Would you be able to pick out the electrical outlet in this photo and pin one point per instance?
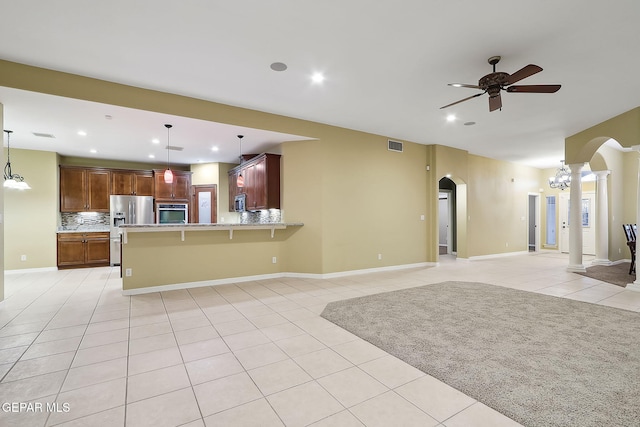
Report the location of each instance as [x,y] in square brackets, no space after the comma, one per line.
[379,256]
[274,260]
[128,272]
[506,244]
[421,217]
[23,257]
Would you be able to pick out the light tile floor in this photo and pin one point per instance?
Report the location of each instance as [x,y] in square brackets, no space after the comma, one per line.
[255,353]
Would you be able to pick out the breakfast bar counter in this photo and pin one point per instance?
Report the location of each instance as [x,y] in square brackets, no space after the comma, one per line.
[163,257]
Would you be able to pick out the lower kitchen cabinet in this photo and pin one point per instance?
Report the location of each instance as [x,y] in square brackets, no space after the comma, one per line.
[90,249]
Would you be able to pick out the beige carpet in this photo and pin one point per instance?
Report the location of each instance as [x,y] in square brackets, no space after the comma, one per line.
[540,360]
[617,274]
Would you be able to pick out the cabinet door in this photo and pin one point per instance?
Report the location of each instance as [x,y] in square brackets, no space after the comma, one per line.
[143,184]
[260,184]
[70,252]
[122,182]
[250,186]
[163,191]
[98,190]
[181,186]
[96,251]
[73,190]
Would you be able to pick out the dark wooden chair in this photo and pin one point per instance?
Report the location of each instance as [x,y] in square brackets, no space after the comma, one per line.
[630,233]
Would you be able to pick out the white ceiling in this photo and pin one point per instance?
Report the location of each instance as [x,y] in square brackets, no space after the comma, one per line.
[387,64]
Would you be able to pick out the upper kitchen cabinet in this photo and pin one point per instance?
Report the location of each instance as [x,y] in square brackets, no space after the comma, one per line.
[180,189]
[84,189]
[261,182]
[132,183]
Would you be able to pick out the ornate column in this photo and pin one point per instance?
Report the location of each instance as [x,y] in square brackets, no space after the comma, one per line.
[602,219]
[635,286]
[575,219]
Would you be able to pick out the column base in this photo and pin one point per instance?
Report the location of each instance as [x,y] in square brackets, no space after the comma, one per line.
[579,268]
[601,262]
[635,286]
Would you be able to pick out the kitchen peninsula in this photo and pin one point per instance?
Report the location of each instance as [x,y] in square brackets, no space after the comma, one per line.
[160,257]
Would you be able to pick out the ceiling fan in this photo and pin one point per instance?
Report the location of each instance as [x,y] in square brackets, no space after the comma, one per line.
[496,81]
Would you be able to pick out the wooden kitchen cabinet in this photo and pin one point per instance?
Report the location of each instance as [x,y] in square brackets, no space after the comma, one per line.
[90,249]
[261,182]
[131,182]
[180,189]
[84,189]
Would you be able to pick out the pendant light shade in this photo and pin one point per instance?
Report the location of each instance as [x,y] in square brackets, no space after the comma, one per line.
[168,174]
[240,180]
[12,180]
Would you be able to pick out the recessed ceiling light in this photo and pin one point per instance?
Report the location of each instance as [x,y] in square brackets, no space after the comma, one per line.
[469,123]
[451,118]
[214,149]
[151,156]
[155,141]
[317,78]
[82,133]
[278,66]
[93,151]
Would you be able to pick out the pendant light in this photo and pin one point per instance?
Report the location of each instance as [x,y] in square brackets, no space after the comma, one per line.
[240,180]
[12,180]
[168,175]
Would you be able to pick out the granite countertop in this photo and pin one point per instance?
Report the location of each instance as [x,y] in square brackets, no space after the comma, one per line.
[213,226]
[83,230]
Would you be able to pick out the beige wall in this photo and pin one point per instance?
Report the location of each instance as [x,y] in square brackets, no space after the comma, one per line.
[2,222]
[31,215]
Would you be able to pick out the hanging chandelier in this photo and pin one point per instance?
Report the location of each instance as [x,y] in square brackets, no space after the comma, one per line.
[562,179]
[12,180]
[168,174]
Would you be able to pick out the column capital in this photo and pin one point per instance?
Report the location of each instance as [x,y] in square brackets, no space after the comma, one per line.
[601,174]
[635,147]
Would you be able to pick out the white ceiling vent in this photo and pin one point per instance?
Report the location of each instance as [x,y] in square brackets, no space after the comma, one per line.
[394,146]
[44,135]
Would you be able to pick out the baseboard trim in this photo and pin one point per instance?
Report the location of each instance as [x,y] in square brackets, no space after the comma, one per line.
[31,270]
[200,284]
[633,287]
[491,256]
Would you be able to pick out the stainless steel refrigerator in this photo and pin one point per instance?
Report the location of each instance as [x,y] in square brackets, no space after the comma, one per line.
[127,210]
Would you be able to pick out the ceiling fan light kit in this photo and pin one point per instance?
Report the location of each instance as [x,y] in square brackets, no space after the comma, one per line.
[497,81]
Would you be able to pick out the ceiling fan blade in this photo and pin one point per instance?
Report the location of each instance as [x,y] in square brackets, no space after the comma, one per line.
[534,88]
[465,85]
[495,103]
[522,73]
[462,100]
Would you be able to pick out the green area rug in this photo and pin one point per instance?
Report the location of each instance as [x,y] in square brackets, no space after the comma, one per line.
[538,359]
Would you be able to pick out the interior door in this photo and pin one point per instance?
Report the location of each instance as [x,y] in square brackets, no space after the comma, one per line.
[205,201]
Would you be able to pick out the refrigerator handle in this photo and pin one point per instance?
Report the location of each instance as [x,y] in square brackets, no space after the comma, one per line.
[132,213]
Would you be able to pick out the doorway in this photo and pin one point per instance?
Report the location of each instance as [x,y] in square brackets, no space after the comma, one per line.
[444,222]
[532,223]
[204,202]
[447,225]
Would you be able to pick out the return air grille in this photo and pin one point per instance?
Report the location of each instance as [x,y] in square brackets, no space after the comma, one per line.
[394,146]
[43,135]
[174,148]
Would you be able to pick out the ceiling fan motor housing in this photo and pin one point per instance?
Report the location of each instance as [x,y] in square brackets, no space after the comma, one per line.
[492,83]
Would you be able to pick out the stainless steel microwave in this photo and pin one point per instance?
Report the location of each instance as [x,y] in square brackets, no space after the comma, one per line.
[240,204]
[172,213]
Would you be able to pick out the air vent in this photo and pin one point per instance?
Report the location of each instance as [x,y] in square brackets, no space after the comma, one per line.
[43,135]
[395,146]
[174,148]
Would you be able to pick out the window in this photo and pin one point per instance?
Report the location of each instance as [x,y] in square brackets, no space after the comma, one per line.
[551,221]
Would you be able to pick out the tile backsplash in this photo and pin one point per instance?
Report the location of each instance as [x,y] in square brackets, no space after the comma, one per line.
[261,217]
[84,220]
